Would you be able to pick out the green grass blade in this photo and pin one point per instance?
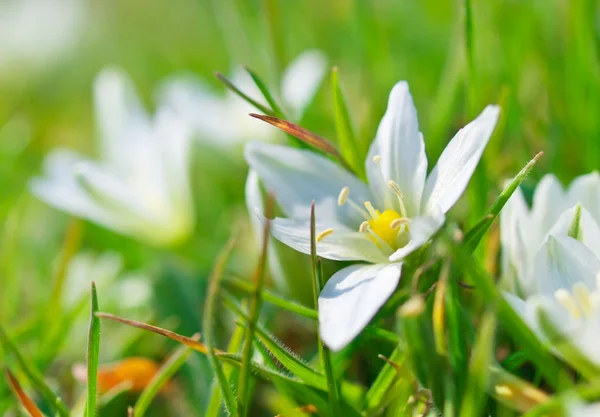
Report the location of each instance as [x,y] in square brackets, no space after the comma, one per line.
[209,319]
[166,371]
[343,125]
[243,95]
[385,380]
[317,284]
[474,236]
[265,92]
[481,359]
[93,352]
[36,379]
[27,403]
[255,303]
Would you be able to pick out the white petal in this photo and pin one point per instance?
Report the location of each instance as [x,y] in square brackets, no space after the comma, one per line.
[588,226]
[402,151]
[351,298]
[456,165]
[254,204]
[421,230]
[200,108]
[514,210]
[302,79]
[343,244]
[577,408]
[118,110]
[562,262]
[548,203]
[585,189]
[297,177]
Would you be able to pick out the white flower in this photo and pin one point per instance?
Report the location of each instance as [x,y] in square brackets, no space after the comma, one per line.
[141,186]
[567,291]
[33,32]
[223,119]
[576,408]
[524,230]
[380,223]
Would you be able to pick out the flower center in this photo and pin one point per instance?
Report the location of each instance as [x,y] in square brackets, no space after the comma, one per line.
[580,302]
[386,226]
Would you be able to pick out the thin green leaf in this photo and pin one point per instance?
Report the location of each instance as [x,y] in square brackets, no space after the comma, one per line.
[306,136]
[343,125]
[166,371]
[243,96]
[265,92]
[317,284]
[36,379]
[387,377]
[93,352]
[254,310]
[474,236]
[481,359]
[210,313]
[575,226]
[514,392]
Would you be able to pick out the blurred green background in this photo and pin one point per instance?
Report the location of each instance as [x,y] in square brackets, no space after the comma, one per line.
[537,58]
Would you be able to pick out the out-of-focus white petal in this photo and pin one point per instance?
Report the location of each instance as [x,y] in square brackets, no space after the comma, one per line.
[577,408]
[514,211]
[585,189]
[351,298]
[400,146]
[302,79]
[343,244]
[458,161]
[548,203]
[562,262]
[255,204]
[297,177]
[588,228]
[421,230]
[119,112]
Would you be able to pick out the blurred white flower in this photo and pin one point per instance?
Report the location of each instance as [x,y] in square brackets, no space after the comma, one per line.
[35,32]
[524,230]
[577,408]
[141,186]
[412,207]
[223,119]
[567,284]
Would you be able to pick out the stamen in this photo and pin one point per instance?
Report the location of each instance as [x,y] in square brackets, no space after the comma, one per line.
[395,224]
[363,227]
[343,196]
[324,234]
[565,299]
[581,294]
[371,210]
[396,188]
[382,244]
[503,390]
[377,159]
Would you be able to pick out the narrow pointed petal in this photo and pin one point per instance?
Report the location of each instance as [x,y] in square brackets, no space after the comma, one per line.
[255,204]
[351,298]
[456,165]
[297,177]
[343,244]
[548,203]
[563,262]
[301,80]
[118,110]
[514,210]
[421,230]
[402,150]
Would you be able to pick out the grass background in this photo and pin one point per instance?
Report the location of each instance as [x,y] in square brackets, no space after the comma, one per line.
[538,59]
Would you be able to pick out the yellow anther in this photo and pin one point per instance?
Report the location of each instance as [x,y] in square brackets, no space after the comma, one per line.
[372,212]
[566,300]
[413,307]
[363,226]
[377,159]
[324,234]
[396,188]
[395,224]
[343,196]
[503,390]
[581,294]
